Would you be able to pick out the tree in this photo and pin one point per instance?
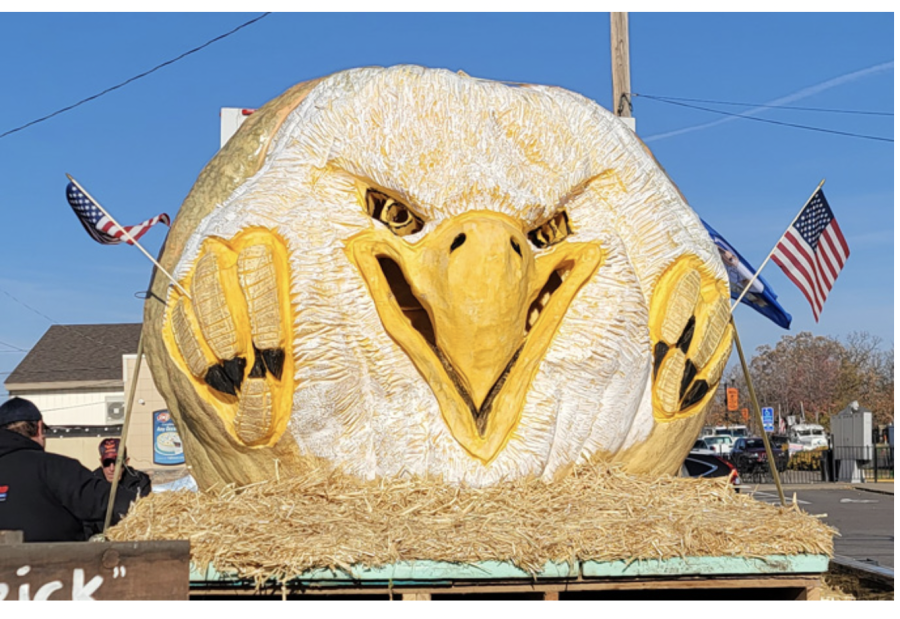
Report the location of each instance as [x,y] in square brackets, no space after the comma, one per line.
[816,376]
[868,376]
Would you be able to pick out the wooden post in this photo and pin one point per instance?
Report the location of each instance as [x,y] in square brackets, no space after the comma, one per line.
[772,466]
[120,457]
[621,69]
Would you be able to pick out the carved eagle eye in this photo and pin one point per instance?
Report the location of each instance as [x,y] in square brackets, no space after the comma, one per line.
[551,231]
[398,217]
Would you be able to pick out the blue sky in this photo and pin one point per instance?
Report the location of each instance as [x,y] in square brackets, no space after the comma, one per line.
[140,148]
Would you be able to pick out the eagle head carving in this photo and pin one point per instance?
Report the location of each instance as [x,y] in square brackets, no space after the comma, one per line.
[412,271]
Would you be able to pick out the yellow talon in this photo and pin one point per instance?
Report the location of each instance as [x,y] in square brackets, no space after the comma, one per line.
[256,272]
[668,382]
[681,307]
[187,341]
[231,338]
[212,308]
[253,421]
[690,338]
[715,327]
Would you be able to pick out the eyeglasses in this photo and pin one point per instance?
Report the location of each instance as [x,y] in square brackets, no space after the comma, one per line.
[109,462]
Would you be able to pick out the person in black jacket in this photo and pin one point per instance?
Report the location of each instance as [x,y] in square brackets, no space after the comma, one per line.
[133,481]
[47,496]
[130,478]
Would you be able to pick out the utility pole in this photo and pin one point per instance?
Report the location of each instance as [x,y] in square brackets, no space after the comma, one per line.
[621,69]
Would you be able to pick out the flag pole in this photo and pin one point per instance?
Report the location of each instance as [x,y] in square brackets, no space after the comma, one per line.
[120,457]
[129,237]
[773,467]
[759,270]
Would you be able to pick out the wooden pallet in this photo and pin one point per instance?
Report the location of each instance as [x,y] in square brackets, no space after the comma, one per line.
[775,577]
[160,570]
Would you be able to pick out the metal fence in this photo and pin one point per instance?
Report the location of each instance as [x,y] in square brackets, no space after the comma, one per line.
[864,464]
[840,464]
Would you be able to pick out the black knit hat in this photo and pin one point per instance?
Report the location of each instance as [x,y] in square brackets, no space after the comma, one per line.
[18,409]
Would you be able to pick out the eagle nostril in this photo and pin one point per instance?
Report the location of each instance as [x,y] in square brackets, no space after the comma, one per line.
[516,247]
[459,240]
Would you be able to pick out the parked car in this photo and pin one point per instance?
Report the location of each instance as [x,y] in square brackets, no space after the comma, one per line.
[708,465]
[720,444]
[700,447]
[734,432]
[749,456]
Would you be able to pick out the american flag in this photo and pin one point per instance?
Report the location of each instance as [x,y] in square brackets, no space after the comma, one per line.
[99,226]
[813,251]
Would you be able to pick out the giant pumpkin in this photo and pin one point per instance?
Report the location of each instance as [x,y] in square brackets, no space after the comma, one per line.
[409,271]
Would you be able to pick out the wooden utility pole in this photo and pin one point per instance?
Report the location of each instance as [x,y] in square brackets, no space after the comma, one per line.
[621,69]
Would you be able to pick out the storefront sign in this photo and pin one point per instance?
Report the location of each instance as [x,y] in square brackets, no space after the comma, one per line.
[167,446]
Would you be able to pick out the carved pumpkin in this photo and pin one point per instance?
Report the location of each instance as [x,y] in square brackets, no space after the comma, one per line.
[411,271]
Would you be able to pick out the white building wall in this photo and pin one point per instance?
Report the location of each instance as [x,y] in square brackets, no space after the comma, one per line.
[73,407]
[231,119]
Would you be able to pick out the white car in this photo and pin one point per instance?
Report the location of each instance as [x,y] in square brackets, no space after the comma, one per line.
[700,447]
[719,444]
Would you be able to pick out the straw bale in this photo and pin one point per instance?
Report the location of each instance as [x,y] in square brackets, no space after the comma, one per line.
[279,529]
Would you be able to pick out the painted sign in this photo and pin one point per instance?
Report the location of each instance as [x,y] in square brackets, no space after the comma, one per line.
[732,394]
[768,417]
[167,446]
[95,571]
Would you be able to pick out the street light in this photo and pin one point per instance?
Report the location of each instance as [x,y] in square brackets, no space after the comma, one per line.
[728,412]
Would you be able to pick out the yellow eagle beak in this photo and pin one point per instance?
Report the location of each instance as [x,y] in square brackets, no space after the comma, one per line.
[475,309]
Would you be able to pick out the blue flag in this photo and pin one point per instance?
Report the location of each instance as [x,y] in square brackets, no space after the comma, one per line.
[760,297]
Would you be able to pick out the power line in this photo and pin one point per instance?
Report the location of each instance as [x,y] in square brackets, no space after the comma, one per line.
[136,77]
[17,349]
[42,315]
[766,120]
[780,107]
[45,316]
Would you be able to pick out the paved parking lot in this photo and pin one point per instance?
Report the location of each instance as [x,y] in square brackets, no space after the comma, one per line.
[863,514]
